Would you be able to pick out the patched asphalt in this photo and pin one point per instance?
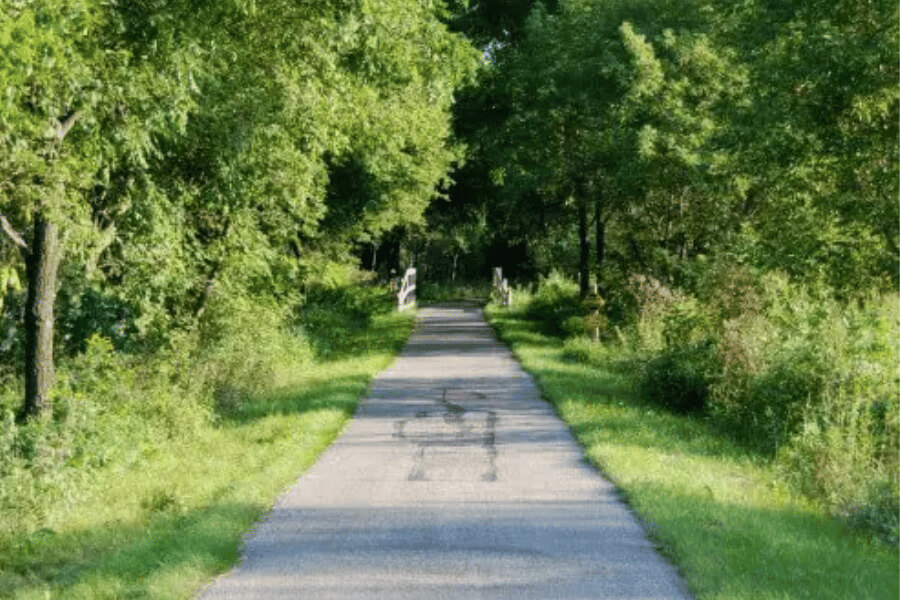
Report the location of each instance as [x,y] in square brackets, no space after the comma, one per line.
[454,480]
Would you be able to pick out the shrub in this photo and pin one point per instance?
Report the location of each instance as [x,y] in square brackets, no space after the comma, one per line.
[573,327]
[684,322]
[328,315]
[878,510]
[731,290]
[814,382]
[108,409]
[653,301]
[436,291]
[679,380]
[789,370]
[555,300]
[233,324]
[93,312]
[112,408]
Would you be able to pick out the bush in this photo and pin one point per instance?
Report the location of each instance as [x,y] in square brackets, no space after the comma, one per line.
[329,314]
[878,511]
[573,327]
[555,300]
[93,312]
[789,370]
[684,322]
[814,382]
[112,408]
[652,301]
[679,380]
[231,325]
[108,409]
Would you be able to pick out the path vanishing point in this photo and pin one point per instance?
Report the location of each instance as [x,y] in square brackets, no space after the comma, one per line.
[454,480]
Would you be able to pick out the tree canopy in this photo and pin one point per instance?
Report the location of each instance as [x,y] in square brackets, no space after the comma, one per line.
[182,151]
[760,131]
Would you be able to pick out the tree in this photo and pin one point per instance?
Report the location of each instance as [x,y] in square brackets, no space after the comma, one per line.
[76,99]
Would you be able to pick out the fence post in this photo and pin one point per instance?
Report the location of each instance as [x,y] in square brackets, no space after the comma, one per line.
[594,319]
[500,287]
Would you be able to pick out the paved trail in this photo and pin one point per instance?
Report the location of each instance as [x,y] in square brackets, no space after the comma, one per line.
[454,480]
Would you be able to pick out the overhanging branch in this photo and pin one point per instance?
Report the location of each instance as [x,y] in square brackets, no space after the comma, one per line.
[65,124]
[13,234]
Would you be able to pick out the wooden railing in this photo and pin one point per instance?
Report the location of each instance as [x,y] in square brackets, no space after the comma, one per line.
[406,295]
[501,290]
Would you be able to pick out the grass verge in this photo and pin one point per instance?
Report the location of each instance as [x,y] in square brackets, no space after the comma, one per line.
[719,513]
[162,528]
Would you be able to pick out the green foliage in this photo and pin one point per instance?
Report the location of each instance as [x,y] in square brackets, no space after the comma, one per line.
[584,350]
[762,133]
[801,378]
[428,292]
[334,317]
[680,379]
[554,301]
[201,159]
[228,328]
[110,411]
[166,511]
[698,492]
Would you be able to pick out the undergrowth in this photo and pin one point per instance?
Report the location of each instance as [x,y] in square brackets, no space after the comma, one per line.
[806,381]
[725,514]
[150,467]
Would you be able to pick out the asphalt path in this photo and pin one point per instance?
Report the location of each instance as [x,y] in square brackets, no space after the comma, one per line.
[454,480]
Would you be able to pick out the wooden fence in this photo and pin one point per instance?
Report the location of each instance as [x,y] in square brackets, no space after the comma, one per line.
[406,294]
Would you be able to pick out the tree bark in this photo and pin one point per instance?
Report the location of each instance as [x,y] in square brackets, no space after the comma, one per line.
[599,239]
[584,249]
[42,262]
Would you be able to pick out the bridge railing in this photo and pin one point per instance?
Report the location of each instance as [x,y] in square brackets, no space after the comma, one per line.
[406,294]
[501,290]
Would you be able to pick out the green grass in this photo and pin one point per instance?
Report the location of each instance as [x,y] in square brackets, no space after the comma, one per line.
[718,512]
[164,527]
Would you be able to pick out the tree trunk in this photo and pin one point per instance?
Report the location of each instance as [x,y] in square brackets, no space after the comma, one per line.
[453,271]
[584,256]
[41,265]
[600,239]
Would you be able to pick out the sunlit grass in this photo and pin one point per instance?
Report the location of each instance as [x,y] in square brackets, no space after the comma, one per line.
[162,528]
[717,511]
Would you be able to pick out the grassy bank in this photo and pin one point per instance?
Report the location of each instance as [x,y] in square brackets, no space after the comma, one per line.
[161,526]
[718,511]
